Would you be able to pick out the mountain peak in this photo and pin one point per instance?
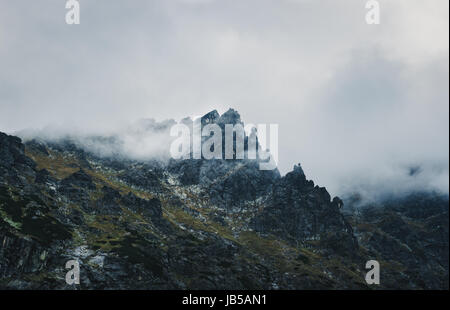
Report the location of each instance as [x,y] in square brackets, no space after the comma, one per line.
[210,117]
[230,117]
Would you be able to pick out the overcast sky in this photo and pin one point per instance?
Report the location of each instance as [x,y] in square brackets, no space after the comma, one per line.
[355,103]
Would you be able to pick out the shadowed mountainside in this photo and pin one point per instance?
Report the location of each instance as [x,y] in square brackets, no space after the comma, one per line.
[201,224]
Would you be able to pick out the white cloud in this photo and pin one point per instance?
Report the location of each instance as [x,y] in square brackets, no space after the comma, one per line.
[350,98]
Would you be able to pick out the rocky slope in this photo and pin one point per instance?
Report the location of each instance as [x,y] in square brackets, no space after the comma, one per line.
[201,224]
[409,234]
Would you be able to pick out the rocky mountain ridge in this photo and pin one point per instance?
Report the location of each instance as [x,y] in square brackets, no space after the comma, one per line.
[200,224]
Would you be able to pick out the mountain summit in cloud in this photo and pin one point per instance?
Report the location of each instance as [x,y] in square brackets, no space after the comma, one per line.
[147,223]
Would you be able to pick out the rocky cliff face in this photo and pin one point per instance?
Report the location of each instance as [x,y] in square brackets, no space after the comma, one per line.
[299,211]
[200,224]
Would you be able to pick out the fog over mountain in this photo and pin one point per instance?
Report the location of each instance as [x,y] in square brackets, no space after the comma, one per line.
[363,108]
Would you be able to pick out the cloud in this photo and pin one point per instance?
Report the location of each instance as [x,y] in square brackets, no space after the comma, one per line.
[350,99]
[374,124]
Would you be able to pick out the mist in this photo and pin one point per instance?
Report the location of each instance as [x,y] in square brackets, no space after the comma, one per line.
[363,108]
[142,140]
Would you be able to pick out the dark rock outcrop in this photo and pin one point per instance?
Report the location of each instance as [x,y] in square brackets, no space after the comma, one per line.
[299,211]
